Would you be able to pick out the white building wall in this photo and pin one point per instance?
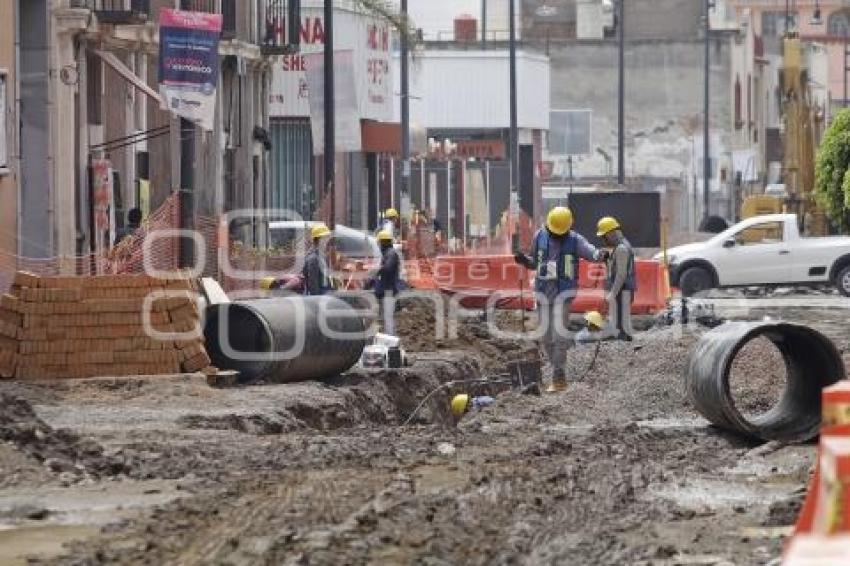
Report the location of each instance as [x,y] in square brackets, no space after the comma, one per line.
[470,90]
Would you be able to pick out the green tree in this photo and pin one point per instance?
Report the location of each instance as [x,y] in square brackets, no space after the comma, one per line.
[832,171]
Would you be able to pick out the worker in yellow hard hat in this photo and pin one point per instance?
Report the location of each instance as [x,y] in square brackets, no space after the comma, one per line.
[594,324]
[555,253]
[316,270]
[621,280]
[463,403]
[389,222]
[269,283]
[386,279]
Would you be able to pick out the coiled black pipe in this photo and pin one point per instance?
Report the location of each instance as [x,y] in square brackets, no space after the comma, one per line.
[250,337]
[812,362]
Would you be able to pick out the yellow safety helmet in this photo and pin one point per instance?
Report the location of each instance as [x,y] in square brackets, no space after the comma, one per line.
[391,213]
[606,225]
[594,320]
[560,220]
[384,236]
[268,283]
[460,404]
[319,231]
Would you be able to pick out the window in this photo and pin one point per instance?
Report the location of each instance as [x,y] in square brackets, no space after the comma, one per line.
[4,132]
[764,233]
[773,23]
[838,23]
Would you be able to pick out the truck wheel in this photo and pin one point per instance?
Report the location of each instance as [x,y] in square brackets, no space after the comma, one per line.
[695,280]
[842,281]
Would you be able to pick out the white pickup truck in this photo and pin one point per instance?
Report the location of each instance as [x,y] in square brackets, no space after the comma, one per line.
[761,251]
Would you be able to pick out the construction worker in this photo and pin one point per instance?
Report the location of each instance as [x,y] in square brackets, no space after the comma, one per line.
[316,271]
[275,284]
[594,325]
[620,283]
[134,222]
[389,222]
[555,254]
[463,403]
[386,279]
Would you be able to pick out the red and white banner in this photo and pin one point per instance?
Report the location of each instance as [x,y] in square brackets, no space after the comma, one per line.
[369,41]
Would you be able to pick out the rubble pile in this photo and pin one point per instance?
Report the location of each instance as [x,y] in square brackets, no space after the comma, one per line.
[75,327]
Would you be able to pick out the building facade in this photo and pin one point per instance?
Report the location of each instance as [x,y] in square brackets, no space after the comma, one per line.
[88,101]
[366,136]
[460,97]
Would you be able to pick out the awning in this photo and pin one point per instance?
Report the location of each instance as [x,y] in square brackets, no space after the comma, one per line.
[122,69]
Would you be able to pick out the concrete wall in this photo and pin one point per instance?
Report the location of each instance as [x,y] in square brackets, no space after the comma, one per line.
[664,100]
[645,19]
[9,181]
[664,113]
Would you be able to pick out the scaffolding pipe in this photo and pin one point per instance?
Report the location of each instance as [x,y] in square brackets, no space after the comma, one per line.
[812,362]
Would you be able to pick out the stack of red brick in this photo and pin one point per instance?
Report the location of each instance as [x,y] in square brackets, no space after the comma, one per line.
[73,327]
[822,532]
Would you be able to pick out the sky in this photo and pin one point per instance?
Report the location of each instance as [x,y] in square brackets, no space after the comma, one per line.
[434,16]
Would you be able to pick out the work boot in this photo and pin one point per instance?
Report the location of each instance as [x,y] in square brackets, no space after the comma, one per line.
[558,384]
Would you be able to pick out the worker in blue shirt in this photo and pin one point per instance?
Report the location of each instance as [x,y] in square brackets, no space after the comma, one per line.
[555,254]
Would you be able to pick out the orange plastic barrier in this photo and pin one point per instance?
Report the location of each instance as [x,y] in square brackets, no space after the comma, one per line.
[835,401]
[498,279]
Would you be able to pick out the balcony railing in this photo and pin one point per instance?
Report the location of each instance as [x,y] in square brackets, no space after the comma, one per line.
[117,11]
[280,26]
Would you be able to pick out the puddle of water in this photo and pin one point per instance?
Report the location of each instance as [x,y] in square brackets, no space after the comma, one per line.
[76,513]
[42,541]
[703,493]
[435,478]
[673,424]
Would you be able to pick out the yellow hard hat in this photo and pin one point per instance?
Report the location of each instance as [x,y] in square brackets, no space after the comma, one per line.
[319,231]
[384,236]
[606,225]
[268,283]
[560,220]
[594,320]
[391,213]
[460,403]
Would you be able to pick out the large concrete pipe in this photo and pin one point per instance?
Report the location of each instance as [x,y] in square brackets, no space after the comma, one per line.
[811,362]
[284,340]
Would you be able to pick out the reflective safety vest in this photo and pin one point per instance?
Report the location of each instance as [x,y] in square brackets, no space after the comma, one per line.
[566,264]
[630,283]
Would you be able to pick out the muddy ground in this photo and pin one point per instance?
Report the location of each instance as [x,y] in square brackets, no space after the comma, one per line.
[617,470]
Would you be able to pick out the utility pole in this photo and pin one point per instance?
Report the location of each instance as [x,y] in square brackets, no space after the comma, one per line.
[330,113]
[405,106]
[187,191]
[845,35]
[187,183]
[513,145]
[706,157]
[484,24]
[621,95]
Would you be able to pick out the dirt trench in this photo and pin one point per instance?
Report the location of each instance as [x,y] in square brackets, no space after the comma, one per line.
[617,470]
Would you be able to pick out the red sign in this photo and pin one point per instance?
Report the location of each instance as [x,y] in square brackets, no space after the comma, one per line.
[478,149]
